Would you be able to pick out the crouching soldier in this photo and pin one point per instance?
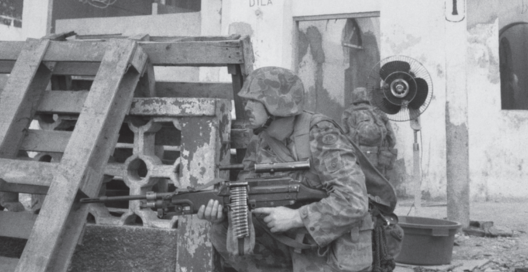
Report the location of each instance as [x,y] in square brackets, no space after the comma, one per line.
[335,231]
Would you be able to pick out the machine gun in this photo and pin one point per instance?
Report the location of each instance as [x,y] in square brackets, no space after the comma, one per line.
[237,197]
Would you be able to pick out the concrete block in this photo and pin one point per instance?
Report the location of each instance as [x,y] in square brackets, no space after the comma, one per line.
[125,248]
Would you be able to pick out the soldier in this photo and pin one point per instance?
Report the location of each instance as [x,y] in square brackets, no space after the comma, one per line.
[337,228]
[370,129]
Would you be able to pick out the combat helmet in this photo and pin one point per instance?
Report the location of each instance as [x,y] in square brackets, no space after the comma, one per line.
[279,89]
[360,95]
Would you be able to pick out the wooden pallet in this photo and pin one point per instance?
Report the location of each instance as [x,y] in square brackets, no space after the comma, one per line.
[117,66]
[192,107]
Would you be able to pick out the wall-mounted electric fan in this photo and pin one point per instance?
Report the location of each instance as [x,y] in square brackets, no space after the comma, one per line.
[402,88]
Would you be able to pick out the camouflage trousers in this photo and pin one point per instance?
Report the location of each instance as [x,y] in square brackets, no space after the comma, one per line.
[268,254]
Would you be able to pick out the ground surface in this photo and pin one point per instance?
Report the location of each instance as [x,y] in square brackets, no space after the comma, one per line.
[496,254]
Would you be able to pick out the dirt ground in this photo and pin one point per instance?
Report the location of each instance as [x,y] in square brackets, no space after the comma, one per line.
[500,253]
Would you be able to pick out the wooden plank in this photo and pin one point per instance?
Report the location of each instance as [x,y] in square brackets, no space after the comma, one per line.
[61,219]
[70,102]
[187,53]
[45,140]
[23,188]
[61,68]
[195,89]
[170,106]
[8,264]
[21,94]
[25,176]
[194,53]
[249,58]
[63,102]
[16,224]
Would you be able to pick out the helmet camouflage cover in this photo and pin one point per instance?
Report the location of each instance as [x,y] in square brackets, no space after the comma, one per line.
[279,89]
[360,95]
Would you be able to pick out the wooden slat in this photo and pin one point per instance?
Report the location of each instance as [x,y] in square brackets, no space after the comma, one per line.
[61,219]
[45,141]
[194,89]
[8,264]
[194,53]
[27,172]
[16,224]
[20,95]
[170,106]
[61,68]
[70,102]
[27,176]
[23,188]
[187,53]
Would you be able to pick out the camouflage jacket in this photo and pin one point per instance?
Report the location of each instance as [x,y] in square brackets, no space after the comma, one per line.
[333,168]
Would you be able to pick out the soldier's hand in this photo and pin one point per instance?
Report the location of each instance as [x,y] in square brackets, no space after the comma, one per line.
[280,219]
[213,212]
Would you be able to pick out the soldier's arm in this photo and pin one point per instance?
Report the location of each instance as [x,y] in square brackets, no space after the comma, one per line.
[334,160]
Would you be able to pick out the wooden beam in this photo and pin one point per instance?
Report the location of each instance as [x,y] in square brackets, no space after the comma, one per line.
[195,89]
[45,140]
[169,106]
[70,102]
[27,172]
[61,219]
[186,53]
[16,224]
[66,101]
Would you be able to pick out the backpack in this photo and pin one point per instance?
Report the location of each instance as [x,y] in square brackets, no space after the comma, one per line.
[387,235]
[371,130]
[374,137]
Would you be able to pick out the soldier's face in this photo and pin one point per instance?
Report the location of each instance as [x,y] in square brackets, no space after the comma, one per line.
[256,113]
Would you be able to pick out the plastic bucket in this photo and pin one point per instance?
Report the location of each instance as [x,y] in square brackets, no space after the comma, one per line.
[427,241]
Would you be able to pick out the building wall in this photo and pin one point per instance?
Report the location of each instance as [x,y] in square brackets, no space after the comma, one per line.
[497,137]
[417,29]
[401,34]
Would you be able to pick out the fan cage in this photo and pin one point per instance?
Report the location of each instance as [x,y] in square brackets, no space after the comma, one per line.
[417,70]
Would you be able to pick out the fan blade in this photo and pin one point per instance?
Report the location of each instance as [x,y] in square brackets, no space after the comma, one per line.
[379,101]
[413,88]
[421,94]
[394,66]
[388,108]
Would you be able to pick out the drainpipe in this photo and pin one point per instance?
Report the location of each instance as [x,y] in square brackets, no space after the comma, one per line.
[457,141]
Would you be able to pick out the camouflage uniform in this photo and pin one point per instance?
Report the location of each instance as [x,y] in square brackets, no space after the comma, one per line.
[371,130]
[338,224]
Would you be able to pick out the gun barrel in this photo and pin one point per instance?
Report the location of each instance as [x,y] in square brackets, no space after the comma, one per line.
[282,166]
[231,167]
[103,199]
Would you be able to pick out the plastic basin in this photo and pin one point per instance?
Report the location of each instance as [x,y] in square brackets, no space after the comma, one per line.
[427,241]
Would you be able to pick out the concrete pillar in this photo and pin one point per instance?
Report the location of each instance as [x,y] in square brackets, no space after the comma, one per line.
[457,142]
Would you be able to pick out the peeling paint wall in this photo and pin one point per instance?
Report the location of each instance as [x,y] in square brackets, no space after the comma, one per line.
[419,33]
[498,145]
[329,70]
[269,25]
